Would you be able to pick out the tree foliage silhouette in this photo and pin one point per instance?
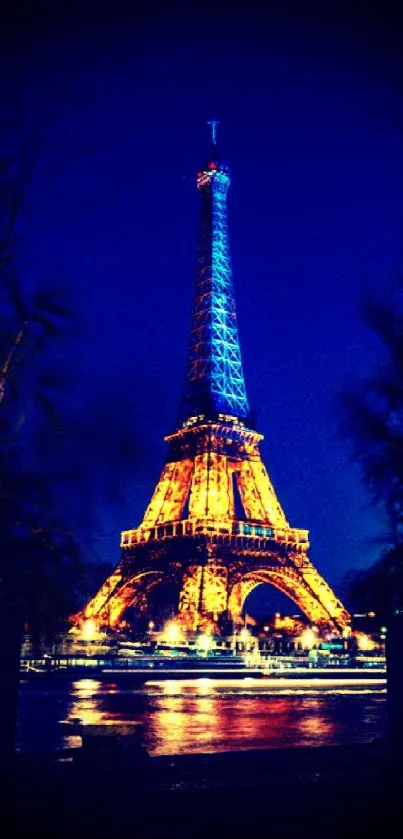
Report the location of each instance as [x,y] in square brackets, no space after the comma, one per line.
[373,421]
[60,443]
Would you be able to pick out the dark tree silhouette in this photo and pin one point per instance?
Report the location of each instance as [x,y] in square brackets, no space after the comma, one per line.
[372,413]
[60,445]
[33,534]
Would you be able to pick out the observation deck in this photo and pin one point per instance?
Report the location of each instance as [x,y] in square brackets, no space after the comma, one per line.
[236,530]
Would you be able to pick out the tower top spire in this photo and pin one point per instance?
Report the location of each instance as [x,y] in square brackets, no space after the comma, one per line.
[214,381]
[213,123]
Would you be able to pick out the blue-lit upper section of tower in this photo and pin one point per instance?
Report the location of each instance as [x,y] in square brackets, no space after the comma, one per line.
[214,382]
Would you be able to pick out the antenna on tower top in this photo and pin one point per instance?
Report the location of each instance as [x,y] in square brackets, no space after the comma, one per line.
[213,123]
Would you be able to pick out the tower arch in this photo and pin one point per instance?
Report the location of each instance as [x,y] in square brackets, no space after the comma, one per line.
[108,607]
[286,580]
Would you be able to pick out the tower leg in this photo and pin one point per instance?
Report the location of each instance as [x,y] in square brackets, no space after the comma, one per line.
[214,594]
[203,599]
[190,597]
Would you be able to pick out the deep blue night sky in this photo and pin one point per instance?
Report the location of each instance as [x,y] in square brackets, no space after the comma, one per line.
[309,122]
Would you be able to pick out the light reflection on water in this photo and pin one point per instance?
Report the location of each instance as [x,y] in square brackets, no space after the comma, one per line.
[203,715]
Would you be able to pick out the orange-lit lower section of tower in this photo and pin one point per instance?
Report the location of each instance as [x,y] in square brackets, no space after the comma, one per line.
[214,527]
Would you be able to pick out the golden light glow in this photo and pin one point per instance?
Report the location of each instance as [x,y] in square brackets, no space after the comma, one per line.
[286,623]
[204,642]
[89,630]
[208,461]
[364,642]
[172,633]
[308,639]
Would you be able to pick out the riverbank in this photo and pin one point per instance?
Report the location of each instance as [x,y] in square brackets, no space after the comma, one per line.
[329,791]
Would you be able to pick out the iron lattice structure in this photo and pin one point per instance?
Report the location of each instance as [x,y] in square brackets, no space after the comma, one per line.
[214,382]
[214,527]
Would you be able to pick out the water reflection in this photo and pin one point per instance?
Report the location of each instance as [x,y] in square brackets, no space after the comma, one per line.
[206,716]
[86,686]
[85,705]
[170,687]
[203,715]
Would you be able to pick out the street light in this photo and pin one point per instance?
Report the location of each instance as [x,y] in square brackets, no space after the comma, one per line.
[172,633]
[204,642]
[89,630]
[364,642]
[245,637]
[308,638]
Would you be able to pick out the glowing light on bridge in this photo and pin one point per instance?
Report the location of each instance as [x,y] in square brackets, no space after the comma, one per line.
[205,643]
[364,642]
[172,633]
[308,639]
[90,630]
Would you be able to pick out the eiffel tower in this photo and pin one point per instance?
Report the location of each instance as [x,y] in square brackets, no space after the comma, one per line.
[214,528]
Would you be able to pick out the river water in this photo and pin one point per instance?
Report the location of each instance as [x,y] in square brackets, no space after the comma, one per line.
[202,715]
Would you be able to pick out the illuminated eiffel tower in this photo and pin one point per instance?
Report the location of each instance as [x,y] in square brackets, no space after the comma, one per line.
[214,527]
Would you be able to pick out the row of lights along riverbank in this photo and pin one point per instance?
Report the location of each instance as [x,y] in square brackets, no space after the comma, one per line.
[282,635]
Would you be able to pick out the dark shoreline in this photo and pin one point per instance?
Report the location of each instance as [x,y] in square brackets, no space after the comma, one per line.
[307,791]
